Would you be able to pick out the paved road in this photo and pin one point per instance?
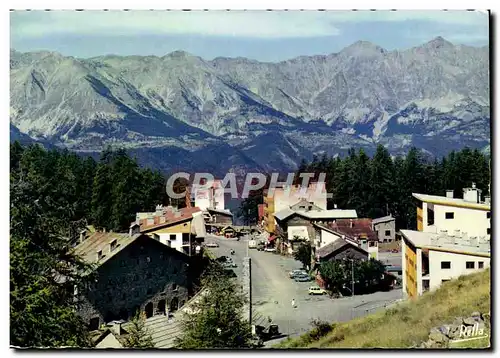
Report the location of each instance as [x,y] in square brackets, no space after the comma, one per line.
[273,291]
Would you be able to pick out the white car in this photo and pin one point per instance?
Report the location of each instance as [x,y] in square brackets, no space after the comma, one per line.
[270,249]
[212,244]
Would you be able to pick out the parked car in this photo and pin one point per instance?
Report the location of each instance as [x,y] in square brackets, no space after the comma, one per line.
[270,249]
[302,278]
[294,273]
[316,290]
[260,248]
[212,244]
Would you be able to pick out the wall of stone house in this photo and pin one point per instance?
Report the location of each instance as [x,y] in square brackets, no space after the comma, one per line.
[143,272]
[382,227]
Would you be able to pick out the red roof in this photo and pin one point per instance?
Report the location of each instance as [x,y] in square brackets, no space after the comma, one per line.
[354,228]
[171,217]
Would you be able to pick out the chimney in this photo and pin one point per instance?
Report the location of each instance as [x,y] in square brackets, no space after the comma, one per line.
[162,219]
[449,194]
[113,244]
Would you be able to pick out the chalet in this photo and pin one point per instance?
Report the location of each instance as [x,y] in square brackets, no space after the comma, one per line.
[341,249]
[133,273]
[356,231]
[294,225]
[217,216]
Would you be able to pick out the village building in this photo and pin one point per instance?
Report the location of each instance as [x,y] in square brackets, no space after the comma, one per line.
[217,216]
[355,231]
[208,198]
[286,196]
[429,259]
[385,227]
[470,215]
[134,272]
[295,224]
[182,229]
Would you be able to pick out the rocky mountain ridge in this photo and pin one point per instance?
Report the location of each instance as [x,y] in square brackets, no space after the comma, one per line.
[180,110]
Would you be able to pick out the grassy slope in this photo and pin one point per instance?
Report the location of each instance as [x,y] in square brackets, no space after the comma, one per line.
[408,323]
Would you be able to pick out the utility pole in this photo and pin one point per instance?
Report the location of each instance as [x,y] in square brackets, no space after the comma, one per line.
[352,279]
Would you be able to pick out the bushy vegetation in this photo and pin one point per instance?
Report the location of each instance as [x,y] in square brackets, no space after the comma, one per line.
[217,320]
[53,195]
[368,276]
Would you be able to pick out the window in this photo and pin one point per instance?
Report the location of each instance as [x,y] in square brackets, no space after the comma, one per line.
[469,265]
[173,237]
[430,217]
[488,231]
[480,264]
[372,244]
[445,264]
[94,324]
[387,232]
[113,245]
[488,215]
[449,215]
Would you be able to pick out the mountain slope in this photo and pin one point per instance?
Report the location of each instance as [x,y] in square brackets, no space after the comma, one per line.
[435,96]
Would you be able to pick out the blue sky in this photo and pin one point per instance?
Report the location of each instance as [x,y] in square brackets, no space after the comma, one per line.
[260,35]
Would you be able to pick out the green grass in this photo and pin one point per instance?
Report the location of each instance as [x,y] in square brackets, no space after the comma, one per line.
[408,323]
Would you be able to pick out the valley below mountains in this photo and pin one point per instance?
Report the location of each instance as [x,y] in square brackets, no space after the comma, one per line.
[181,112]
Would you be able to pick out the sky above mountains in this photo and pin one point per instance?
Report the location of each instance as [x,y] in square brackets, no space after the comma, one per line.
[261,35]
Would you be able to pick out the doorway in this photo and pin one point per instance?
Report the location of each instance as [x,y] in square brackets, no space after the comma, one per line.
[162,306]
[149,310]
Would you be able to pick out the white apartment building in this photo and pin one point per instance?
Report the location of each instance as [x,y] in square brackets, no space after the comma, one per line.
[211,198]
[429,259]
[469,215]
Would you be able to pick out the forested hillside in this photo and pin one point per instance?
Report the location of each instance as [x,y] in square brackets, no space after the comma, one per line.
[383,185]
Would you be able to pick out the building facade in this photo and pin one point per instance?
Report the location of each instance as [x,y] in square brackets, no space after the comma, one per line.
[181,229]
[385,228]
[133,273]
[289,195]
[209,198]
[445,213]
[429,259]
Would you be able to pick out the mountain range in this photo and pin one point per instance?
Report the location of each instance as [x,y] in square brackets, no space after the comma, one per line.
[181,112]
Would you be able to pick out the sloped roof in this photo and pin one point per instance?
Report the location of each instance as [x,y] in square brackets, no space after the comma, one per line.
[316,214]
[361,228]
[336,246]
[98,241]
[383,219]
[218,211]
[171,218]
[443,200]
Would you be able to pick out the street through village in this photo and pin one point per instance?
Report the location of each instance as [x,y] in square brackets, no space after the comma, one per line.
[273,291]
